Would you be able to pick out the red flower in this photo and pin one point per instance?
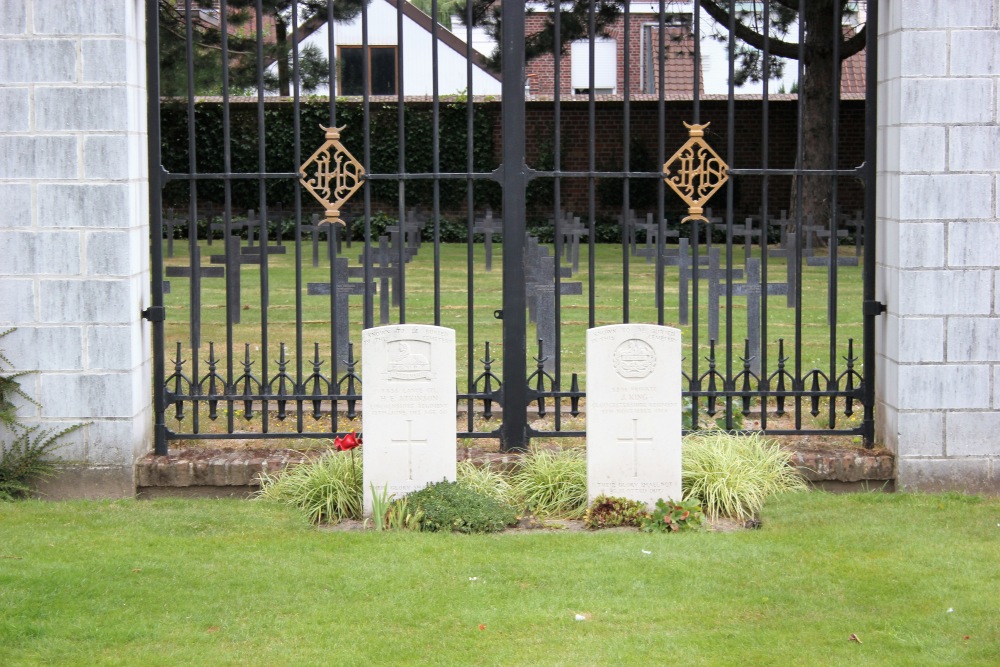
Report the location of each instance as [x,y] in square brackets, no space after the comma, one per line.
[347,443]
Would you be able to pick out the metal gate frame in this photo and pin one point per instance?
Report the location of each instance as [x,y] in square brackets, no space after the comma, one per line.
[516,392]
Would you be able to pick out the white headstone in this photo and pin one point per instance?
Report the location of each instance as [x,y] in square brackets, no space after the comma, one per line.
[408,408]
[634,412]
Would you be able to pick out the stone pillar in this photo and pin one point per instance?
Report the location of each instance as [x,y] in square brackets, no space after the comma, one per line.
[74,252]
[938,369]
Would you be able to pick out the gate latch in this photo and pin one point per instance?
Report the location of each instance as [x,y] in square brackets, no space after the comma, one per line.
[498,313]
[873,308]
[154,314]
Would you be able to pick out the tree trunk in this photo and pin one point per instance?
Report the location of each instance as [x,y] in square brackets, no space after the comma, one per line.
[819,94]
[281,49]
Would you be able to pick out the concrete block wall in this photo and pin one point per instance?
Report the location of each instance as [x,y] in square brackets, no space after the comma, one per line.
[74,268]
[938,371]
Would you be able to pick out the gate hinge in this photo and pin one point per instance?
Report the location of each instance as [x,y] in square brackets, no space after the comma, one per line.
[155,314]
[873,308]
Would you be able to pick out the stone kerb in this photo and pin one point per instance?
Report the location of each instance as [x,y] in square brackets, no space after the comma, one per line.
[409,411]
[634,412]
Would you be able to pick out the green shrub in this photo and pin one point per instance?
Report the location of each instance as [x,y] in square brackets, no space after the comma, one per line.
[451,506]
[733,475]
[673,517]
[327,489]
[486,481]
[612,512]
[552,483]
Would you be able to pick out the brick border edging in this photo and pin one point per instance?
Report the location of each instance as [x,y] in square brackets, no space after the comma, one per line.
[223,468]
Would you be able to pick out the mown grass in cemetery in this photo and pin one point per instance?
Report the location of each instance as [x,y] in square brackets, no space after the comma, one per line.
[231,582]
[453,277]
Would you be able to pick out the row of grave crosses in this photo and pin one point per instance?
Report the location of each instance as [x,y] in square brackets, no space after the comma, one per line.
[401,243]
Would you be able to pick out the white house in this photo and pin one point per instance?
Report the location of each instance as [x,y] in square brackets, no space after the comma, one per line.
[384,40]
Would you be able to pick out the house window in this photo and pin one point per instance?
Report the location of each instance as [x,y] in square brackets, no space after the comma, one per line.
[381,76]
[605,66]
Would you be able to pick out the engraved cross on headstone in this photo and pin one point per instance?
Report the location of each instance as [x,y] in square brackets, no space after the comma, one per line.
[409,441]
[635,441]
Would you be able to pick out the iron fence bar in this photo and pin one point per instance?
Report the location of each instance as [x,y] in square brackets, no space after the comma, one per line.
[470,217]
[832,227]
[799,160]
[227,166]
[626,157]
[367,148]
[153,147]
[514,433]
[696,114]
[765,189]
[557,183]
[194,255]
[661,157]
[591,165]
[868,263]
[853,172]
[435,137]
[262,194]
[730,194]
[401,156]
[297,157]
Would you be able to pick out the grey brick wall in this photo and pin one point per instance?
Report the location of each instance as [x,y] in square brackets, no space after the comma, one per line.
[74,228]
[938,371]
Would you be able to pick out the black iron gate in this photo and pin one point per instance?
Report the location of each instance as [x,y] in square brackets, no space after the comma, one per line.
[256,340]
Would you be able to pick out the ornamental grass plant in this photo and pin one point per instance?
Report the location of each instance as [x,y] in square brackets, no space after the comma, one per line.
[485,480]
[327,489]
[733,474]
[552,483]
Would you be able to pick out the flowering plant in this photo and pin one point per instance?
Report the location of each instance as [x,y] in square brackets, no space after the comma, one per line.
[347,443]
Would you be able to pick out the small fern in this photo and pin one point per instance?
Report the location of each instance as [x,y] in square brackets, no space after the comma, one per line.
[28,456]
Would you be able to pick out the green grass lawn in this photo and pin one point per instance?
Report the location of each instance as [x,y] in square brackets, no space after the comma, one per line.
[235,583]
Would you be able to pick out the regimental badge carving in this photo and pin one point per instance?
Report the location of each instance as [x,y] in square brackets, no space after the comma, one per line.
[634,359]
[695,172]
[332,175]
[409,360]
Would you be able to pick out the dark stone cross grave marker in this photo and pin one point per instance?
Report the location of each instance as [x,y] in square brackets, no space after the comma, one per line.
[314,229]
[653,238]
[783,224]
[409,233]
[170,224]
[754,289]
[857,223]
[832,247]
[683,261]
[572,230]
[488,226]
[748,233]
[716,277]
[249,223]
[380,265]
[341,304]
[187,272]
[534,275]
[543,293]
[627,224]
